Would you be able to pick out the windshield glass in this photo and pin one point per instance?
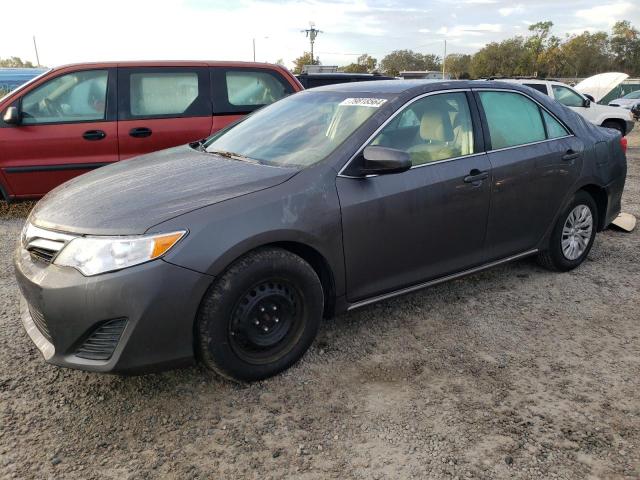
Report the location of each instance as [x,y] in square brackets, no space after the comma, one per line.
[299,130]
[633,95]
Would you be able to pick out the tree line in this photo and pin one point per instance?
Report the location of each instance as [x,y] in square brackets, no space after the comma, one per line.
[539,54]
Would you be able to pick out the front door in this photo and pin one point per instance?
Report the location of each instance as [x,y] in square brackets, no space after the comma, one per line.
[430,221]
[67,128]
[162,107]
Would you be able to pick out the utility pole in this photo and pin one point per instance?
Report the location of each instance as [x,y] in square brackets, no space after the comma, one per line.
[312,33]
[254,49]
[36,48]
[444,59]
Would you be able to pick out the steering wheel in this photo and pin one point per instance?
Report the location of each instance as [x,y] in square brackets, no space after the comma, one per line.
[53,108]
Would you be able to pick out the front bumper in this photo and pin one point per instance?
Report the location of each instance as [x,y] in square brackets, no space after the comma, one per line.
[155,304]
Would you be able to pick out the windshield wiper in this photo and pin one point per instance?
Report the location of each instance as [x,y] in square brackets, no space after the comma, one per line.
[233,156]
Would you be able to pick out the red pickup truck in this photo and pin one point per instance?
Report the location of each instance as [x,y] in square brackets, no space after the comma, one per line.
[79,117]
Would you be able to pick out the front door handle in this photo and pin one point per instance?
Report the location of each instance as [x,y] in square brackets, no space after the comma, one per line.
[93,135]
[476,176]
[570,155]
[140,132]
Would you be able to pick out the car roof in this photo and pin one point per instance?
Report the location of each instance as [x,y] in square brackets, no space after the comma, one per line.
[413,86]
[168,63]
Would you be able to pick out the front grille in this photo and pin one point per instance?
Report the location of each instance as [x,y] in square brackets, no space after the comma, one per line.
[41,254]
[103,341]
[43,245]
[41,324]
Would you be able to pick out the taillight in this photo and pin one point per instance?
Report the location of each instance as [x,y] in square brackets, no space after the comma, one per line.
[623,144]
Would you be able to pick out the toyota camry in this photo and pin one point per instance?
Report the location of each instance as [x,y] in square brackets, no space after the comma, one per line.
[231,250]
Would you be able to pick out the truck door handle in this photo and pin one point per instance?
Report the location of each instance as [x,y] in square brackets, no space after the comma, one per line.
[570,155]
[93,135]
[475,176]
[140,132]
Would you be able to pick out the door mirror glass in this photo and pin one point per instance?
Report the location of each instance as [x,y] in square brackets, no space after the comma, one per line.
[383,160]
[586,102]
[11,116]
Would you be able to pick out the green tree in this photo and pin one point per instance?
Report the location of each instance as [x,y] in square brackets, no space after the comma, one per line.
[15,62]
[408,60]
[537,43]
[625,48]
[586,54]
[507,58]
[458,65]
[365,64]
[303,60]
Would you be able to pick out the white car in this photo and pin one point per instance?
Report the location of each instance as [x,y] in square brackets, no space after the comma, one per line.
[603,115]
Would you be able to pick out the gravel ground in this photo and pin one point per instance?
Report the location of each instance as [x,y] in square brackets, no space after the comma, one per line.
[515,372]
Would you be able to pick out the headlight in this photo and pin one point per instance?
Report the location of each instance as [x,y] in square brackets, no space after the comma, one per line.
[95,255]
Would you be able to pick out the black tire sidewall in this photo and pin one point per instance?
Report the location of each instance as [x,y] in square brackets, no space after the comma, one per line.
[219,303]
[561,262]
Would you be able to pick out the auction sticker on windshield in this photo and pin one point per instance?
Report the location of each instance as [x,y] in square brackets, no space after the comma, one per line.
[363,102]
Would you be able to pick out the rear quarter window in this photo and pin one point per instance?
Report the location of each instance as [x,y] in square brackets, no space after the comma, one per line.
[243,90]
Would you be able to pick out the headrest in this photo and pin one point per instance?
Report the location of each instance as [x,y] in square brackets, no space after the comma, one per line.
[435,125]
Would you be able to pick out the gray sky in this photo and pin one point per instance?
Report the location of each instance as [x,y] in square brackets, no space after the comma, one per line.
[77,31]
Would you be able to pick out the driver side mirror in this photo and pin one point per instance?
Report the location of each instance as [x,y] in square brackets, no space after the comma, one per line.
[587,101]
[11,116]
[383,160]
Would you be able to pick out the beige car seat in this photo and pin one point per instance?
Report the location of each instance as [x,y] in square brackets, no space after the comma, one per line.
[437,135]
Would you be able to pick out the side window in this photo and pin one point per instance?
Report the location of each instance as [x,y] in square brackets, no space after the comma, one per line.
[541,87]
[513,119]
[554,128]
[434,128]
[165,93]
[75,97]
[566,96]
[243,90]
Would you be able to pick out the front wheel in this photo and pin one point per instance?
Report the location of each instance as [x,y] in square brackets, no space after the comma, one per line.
[572,236]
[260,316]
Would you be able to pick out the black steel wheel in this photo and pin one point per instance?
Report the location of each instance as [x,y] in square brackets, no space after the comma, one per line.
[260,316]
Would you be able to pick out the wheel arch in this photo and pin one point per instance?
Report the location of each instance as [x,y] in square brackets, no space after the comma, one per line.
[617,121]
[599,195]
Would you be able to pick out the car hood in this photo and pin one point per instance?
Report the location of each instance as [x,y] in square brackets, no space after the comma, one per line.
[624,101]
[131,196]
[599,86]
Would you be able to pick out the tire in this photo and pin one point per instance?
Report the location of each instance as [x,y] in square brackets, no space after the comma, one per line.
[556,257]
[260,316]
[615,125]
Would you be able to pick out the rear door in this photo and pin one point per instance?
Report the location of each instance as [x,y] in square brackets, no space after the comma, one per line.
[68,126]
[535,160]
[430,221]
[161,107]
[238,91]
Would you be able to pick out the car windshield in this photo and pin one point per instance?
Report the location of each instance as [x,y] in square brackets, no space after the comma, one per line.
[299,130]
[633,95]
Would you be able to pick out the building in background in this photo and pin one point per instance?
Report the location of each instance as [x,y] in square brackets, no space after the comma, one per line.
[426,74]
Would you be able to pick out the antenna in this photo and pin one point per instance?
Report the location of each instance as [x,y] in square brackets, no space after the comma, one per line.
[35,46]
[312,33]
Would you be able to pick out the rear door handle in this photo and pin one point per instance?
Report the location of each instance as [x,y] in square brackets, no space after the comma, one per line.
[570,155]
[476,176]
[140,132]
[93,135]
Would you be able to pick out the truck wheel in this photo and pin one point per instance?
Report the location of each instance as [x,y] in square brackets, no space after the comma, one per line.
[260,316]
[572,236]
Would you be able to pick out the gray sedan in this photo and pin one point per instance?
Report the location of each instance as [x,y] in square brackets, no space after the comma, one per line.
[232,250]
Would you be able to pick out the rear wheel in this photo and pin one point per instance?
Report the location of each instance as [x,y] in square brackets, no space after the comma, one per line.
[572,236]
[615,125]
[260,316]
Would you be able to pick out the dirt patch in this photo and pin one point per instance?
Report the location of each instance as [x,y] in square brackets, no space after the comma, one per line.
[513,372]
